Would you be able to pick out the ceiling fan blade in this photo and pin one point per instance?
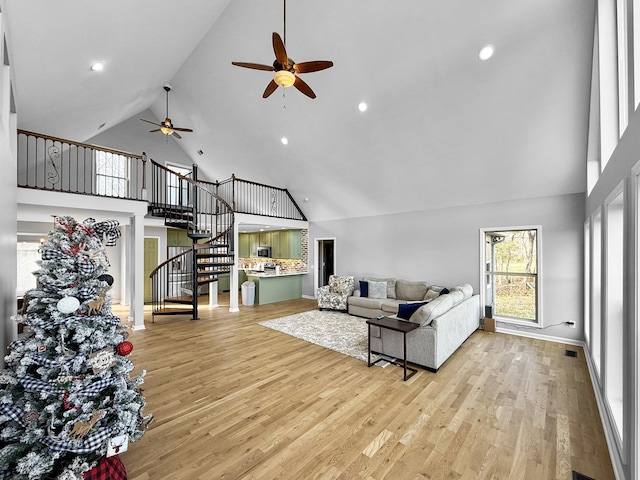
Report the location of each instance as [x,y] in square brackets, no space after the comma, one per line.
[279,50]
[315,66]
[175,134]
[304,88]
[152,123]
[255,66]
[272,87]
[154,131]
[183,129]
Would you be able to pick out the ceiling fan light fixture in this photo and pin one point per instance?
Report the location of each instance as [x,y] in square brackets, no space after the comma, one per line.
[166,130]
[284,78]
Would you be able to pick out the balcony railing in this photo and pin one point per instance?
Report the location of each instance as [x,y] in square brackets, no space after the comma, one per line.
[258,199]
[51,163]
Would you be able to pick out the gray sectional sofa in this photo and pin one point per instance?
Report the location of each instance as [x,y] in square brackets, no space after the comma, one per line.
[446,321]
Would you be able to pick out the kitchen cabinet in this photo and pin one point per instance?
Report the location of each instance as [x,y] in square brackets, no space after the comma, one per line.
[224,282]
[265,239]
[245,246]
[178,238]
[285,244]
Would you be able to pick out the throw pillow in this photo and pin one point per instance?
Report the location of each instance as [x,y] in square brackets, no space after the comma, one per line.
[391,285]
[377,289]
[431,294]
[444,291]
[406,290]
[405,310]
[364,288]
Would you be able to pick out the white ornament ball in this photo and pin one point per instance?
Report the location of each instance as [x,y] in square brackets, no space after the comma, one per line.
[68,304]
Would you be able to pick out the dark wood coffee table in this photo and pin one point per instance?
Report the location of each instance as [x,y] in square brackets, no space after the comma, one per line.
[402,326]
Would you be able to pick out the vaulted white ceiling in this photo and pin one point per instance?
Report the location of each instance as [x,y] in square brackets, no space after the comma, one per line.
[442,129]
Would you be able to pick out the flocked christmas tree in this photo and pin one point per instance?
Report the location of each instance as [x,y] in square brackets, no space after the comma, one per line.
[67,402]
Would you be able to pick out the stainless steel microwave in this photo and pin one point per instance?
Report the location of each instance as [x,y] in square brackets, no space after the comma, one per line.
[264,252]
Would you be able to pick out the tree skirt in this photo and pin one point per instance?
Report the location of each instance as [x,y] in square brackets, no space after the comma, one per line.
[108,468]
[336,331]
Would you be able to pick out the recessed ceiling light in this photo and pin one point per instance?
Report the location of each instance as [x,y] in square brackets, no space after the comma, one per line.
[486,52]
[284,140]
[362,107]
[97,67]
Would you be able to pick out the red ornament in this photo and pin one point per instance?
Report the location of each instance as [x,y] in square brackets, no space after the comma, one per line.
[124,348]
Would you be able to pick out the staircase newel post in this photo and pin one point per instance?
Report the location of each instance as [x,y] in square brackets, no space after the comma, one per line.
[194,202]
[144,175]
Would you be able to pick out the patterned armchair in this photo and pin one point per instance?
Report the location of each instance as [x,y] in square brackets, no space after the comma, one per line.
[334,296]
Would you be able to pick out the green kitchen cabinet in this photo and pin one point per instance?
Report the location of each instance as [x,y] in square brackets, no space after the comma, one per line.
[245,245]
[224,283]
[178,238]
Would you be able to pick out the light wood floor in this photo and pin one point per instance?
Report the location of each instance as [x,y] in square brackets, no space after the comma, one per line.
[234,400]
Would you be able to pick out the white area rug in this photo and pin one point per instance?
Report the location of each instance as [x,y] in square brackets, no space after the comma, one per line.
[336,331]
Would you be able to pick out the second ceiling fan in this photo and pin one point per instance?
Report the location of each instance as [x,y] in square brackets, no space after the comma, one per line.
[285,70]
[167,127]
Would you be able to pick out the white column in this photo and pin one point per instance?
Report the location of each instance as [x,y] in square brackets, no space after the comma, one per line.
[125,273]
[136,271]
[233,281]
[213,295]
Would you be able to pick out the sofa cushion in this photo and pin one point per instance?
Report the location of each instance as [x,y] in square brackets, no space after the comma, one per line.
[391,305]
[377,289]
[367,302]
[405,310]
[406,290]
[466,289]
[457,296]
[364,288]
[425,314]
[391,285]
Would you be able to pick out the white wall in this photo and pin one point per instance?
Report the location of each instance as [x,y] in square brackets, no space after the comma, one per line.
[8,238]
[443,247]
[133,136]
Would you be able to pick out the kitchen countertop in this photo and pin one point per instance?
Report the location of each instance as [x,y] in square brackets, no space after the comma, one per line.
[250,273]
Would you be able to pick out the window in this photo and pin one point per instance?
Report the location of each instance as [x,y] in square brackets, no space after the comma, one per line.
[178,188]
[111,174]
[587,281]
[614,301]
[512,287]
[596,292]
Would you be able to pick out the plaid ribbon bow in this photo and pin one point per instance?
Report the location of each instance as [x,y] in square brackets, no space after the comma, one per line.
[13,412]
[108,228]
[90,444]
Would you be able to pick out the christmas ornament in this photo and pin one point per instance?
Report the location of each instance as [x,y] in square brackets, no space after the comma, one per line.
[66,404]
[68,304]
[106,278]
[124,348]
[102,359]
[80,429]
[117,445]
[30,417]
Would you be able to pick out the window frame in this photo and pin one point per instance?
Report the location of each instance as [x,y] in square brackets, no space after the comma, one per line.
[539,320]
[108,156]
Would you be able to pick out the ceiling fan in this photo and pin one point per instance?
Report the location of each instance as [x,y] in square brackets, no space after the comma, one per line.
[167,127]
[285,70]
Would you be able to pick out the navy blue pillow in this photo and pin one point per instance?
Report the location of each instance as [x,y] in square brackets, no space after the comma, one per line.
[364,288]
[405,310]
[444,291]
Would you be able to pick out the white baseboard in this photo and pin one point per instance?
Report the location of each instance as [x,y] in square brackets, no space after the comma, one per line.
[537,336]
[308,297]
